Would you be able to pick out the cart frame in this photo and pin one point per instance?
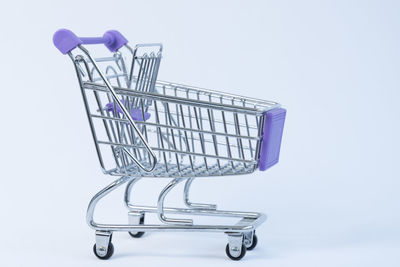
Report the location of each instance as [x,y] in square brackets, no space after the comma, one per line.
[241,236]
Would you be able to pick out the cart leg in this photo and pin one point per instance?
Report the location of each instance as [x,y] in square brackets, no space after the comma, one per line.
[135,215]
[102,193]
[128,191]
[136,218]
[103,248]
[250,240]
[235,249]
[194,205]
[160,205]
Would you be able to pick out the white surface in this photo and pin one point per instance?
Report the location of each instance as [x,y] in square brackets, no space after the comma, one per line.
[333,198]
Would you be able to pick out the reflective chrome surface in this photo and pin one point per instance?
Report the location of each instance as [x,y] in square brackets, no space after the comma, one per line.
[177,131]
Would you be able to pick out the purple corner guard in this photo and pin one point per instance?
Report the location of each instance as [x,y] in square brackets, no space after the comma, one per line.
[272,137]
[66,41]
[136,113]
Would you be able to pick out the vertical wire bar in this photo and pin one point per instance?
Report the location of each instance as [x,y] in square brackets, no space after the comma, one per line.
[161,135]
[260,126]
[237,130]
[186,138]
[228,146]
[144,128]
[166,123]
[145,75]
[146,70]
[138,79]
[214,137]
[178,124]
[248,130]
[203,149]
[141,71]
[201,119]
[130,75]
[123,68]
[155,73]
[117,125]
[240,144]
[150,74]
[173,138]
[190,123]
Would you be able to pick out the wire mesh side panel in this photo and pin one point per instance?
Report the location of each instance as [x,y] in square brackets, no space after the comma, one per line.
[194,133]
[111,136]
[198,141]
[144,67]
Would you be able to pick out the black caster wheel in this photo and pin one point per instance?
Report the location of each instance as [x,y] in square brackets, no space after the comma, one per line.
[138,234]
[254,244]
[242,253]
[110,252]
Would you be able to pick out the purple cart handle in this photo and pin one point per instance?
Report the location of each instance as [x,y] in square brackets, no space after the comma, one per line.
[66,41]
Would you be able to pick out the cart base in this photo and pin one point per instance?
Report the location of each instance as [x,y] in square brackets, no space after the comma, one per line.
[241,236]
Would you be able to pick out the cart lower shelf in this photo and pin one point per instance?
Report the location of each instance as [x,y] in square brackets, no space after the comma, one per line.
[241,235]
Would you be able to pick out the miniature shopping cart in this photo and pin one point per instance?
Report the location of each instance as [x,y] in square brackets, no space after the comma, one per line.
[143,127]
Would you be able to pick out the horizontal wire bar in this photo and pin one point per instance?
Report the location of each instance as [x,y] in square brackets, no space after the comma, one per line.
[104,59]
[177,128]
[200,170]
[213,93]
[177,100]
[109,77]
[215,120]
[177,151]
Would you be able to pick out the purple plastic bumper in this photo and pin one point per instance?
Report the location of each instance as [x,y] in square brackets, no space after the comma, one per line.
[272,137]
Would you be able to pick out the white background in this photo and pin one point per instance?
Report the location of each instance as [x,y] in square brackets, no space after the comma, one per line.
[333,200]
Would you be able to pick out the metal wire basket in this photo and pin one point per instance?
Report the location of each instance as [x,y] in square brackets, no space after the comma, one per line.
[143,127]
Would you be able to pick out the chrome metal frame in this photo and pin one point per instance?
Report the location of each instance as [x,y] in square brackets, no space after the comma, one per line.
[240,233]
[249,221]
[199,133]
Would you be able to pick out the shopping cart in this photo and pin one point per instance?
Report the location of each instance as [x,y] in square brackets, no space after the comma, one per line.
[143,127]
